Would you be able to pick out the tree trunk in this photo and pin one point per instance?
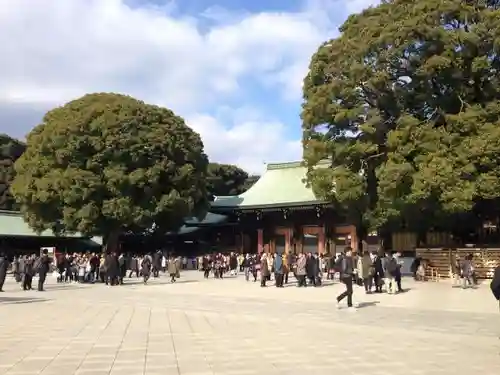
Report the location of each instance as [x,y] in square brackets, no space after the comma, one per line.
[111,242]
[361,235]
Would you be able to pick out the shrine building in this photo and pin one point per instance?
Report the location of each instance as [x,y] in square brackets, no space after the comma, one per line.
[280,213]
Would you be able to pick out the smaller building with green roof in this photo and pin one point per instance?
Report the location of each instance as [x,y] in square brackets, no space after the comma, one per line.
[17,237]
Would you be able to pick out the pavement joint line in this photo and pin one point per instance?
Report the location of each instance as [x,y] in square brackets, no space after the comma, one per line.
[173,342]
[52,360]
[147,342]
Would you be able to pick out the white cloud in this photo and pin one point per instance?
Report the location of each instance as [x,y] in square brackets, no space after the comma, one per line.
[356,6]
[250,141]
[55,50]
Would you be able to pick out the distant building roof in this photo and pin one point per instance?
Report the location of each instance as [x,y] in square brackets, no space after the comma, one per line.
[183,230]
[281,185]
[209,219]
[12,224]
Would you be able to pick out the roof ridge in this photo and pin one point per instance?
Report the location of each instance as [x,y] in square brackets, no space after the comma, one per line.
[293,164]
[11,213]
[290,164]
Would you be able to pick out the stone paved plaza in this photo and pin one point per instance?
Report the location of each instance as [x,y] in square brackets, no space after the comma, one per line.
[229,326]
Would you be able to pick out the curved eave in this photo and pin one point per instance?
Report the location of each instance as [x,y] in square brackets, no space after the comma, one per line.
[209,219]
[274,207]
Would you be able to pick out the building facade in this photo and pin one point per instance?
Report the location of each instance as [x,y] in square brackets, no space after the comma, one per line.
[280,213]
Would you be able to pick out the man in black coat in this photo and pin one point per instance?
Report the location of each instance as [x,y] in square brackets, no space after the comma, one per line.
[495,284]
[346,272]
[157,263]
[28,273]
[43,269]
[378,276]
[112,269]
[4,264]
[311,269]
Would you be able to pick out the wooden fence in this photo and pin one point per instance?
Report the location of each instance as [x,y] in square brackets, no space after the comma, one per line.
[441,260]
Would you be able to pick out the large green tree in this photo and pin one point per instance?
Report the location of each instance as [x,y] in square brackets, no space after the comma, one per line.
[108,163]
[10,150]
[406,104]
[225,179]
[250,181]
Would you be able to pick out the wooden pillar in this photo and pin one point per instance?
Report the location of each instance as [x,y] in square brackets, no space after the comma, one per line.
[260,241]
[288,235]
[321,240]
[354,238]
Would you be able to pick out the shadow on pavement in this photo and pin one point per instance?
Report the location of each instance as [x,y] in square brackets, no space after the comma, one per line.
[323,284]
[367,304]
[20,300]
[163,282]
[64,286]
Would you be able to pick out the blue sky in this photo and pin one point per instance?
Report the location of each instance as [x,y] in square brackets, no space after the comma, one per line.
[232,69]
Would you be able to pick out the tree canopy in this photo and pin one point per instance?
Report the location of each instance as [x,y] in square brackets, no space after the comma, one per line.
[406,104]
[108,163]
[250,181]
[10,150]
[225,179]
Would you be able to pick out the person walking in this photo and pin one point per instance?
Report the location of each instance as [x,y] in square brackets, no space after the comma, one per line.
[134,266]
[28,273]
[247,263]
[264,270]
[4,264]
[346,273]
[43,269]
[146,266]
[278,270]
[173,269]
[390,266]
[398,275]
[495,285]
[300,271]
[365,271]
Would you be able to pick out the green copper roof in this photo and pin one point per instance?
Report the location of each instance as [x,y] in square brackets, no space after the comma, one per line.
[209,219]
[12,224]
[281,185]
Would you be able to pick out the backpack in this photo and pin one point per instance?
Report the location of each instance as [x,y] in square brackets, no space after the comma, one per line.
[338,264]
[37,265]
[392,267]
[146,263]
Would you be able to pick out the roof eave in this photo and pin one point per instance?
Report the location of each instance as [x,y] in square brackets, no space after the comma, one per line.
[272,206]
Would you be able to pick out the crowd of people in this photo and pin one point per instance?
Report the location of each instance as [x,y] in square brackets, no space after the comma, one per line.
[112,268]
[108,268]
[25,268]
[372,271]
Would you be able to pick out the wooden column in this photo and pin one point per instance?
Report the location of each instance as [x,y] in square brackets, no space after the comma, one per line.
[260,241]
[288,240]
[354,238]
[348,231]
[321,240]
